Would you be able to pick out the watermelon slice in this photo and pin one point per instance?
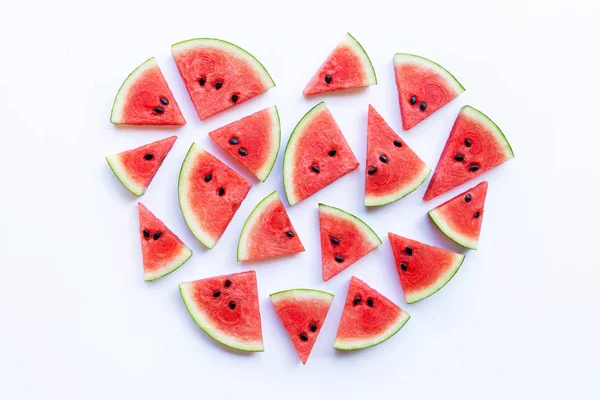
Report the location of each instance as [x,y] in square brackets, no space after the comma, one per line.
[268,232]
[393,169]
[136,168]
[162,251]
[460,218]
[423,269]
[347,67]
[253,141]
[316,155]
[302,312]
[145,99]
[226,308]
[345,239]
[368,319]
[219,74]
[475,145]
[423,88]
[209,194]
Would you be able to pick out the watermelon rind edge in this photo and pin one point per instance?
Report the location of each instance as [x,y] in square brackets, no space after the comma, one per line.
[310,293]
[375,201]
[359,223]
[117,107]
[204,324]
[443,225]
[367,65]
[263,175]
[460,88]
[366,343]
[440,283]
[474,113]
[181,259]
[116,166]
[254,215]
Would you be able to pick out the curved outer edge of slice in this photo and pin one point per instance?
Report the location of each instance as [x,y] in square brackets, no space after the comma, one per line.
[193,153]
[117,108]
[177,262]
[290,153]
[359,223]
[204,323]
[373,201]
[440,283]
[457,237]
[301,293]
[366,63]
[276,137]
[242,254]
[115,164]
[366,343]
[228,47]
[483,119]
[405,58]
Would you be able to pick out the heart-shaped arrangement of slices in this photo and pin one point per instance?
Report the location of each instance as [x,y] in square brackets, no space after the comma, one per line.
[219,75]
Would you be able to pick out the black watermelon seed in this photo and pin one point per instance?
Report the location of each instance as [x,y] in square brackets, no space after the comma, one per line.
[149,156]
[459,158]
[227,283]
[315,169]
[146,234]
[413,100]
[290,234]
[473,167]
[164,101]
[232,304]
[202,81]
[233,141]
[243,152]
[403,266]
[397,143]
[370,302]
[468,197]
[159,110]
[477,214]
[157,235]
[218,85]
[423,106]
[332,152]
[208,178]
[303,337]
[357,300]
[334,240]
[217,293]
[313,327]
[221,191]
[372,170]
[408,250]
[383,159]
[234,98]
[328,79]
[467,143]
[339,259]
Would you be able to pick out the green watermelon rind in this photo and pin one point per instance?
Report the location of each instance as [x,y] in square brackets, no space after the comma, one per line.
[426,62]
[374,201]
[486,121]
[440,283]
[252,218]
[119,103]
[203,322]
[456,236]
[361,225]
[173,265]
[115,164]
[226,46]
[366,64]
[276,137]
[375,340]
[299,293]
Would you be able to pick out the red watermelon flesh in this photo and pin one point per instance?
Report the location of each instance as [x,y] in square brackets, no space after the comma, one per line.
[219,74]
[475,145]
[460,218]
[423,88]
[345,239]
[210,193]
[423,269]
[368,319]
[268,232]
[226,308]
[347,67]
[162,251]
[137,167]
[253,141]
[393,170]
[302,312]
[316,155]
[145,99]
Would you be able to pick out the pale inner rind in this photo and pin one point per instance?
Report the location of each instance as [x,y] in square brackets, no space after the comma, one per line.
[243,247]
[115,163]
[393,328]
[276,140]
[302,294]
[367,66]
[442,280]
[410,59]
[445,227]
[116,115]
[175,263]
[360,224]
[403,191]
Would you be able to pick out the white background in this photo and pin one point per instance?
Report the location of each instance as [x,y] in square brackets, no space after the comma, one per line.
[519,320]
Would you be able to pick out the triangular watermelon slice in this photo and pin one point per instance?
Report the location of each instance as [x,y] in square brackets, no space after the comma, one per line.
[253,141]
[162,251]
[345,239]
[145,99]
[268,232]
[226,308]
[210,193]
[460,218]
[302,312]
[368,319]
[393,170]
[475,145]
[218,74]
[136,168]
[347,67]
[423,269]
[423,87]
[316,155]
